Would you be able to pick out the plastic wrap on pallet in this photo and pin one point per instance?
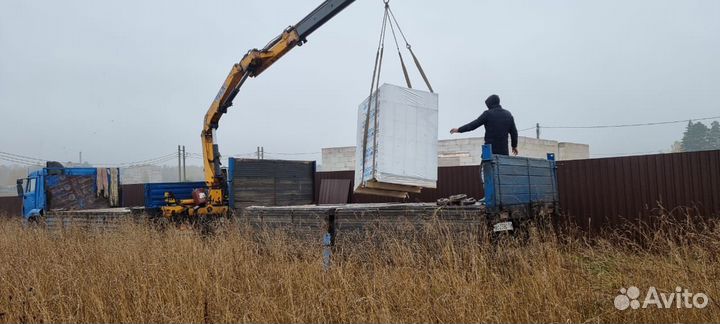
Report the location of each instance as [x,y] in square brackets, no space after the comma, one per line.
[404,150]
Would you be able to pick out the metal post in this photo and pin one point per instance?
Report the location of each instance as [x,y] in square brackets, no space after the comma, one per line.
[179,169]
[537,130]
[183,165]
[329,240]
[80,157]
[327,250]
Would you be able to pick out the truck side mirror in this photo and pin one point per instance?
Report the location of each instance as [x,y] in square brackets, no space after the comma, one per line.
[19,184]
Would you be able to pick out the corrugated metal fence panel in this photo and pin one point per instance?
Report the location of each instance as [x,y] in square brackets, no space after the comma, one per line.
[340,175]
[451,181]
[455,180]
[272,182]
[334,191]
[10,206]
[608,192]
[133,195]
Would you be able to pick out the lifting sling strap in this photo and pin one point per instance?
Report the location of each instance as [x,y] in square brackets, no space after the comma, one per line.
[388,19]
[409,47]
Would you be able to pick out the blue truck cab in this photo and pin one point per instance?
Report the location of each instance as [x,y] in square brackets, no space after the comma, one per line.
[58,187]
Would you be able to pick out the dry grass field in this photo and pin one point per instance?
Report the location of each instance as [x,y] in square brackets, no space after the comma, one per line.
[138,274]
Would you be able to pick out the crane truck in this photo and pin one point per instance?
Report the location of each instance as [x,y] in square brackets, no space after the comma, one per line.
[213,199]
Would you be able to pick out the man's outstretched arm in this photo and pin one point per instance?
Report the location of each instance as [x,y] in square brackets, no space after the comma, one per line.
[471,125]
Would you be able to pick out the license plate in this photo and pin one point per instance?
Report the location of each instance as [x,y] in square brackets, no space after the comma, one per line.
[503,227]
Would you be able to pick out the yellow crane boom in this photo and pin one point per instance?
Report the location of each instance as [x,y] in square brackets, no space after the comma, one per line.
[213,199]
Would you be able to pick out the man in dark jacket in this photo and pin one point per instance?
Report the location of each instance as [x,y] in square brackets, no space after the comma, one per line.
[498,124]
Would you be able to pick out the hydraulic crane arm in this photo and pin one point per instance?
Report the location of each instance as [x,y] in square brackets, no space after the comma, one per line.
[251,65]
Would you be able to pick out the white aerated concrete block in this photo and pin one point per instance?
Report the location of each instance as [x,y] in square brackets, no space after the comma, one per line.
[401,143]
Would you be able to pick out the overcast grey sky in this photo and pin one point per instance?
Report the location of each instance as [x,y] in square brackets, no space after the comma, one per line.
[128,80]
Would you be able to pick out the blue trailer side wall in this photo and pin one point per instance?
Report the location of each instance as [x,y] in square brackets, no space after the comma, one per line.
[512,180]
[155,192]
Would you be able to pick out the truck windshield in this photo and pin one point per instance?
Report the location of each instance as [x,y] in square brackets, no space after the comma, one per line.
[30,185]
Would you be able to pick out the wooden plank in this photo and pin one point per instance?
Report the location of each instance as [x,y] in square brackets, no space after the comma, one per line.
[386,193]
[392,187]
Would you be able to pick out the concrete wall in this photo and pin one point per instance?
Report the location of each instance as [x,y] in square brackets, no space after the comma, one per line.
[573,151]
[465,151]
[536,148]
[338,159]
[460,151]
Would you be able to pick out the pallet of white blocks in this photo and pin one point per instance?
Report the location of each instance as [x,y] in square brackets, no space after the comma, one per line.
[397,142]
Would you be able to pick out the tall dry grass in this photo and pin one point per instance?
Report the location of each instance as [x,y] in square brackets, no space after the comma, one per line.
[137,274]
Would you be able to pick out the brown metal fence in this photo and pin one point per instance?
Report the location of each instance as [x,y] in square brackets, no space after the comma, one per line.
[600,193]
[609,192]
[10,206]
[451,181]
[133,195]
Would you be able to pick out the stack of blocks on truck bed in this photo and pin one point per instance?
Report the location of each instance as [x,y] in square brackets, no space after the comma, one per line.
[397,142]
